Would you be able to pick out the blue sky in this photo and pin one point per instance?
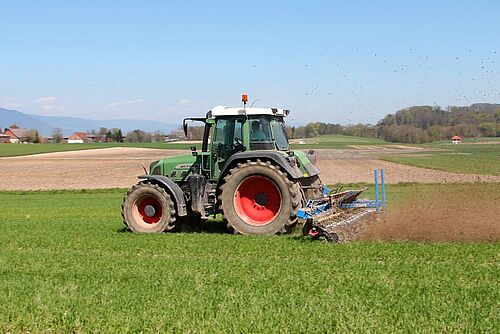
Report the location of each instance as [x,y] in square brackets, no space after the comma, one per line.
[330,61]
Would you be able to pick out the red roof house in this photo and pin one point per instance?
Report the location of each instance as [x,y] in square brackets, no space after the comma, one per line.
[16,135]
[78,138]
[456,139]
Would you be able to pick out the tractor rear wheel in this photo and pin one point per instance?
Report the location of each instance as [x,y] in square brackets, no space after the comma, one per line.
[148,208]
[257,198]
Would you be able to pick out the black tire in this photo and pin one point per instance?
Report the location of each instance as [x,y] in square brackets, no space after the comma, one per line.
[140,219]
[281,189]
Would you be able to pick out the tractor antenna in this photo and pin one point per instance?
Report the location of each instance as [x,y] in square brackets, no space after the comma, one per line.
[144,167]
[257,99]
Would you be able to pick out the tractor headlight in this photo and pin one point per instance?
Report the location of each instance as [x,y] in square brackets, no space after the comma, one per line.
[292,161]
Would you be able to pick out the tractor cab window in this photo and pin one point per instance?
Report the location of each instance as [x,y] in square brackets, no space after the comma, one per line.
[259,130]
[260,134]
[268,133]
[227,137]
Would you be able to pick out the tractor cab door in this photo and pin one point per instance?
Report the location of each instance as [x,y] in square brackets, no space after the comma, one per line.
[227,140]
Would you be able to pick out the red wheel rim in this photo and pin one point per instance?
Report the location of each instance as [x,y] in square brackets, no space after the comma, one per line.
[257,200]
[147,209]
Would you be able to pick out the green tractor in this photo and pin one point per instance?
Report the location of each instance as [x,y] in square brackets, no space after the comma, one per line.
[246,171]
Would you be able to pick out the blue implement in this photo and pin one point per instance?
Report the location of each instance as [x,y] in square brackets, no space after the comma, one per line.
[330,204]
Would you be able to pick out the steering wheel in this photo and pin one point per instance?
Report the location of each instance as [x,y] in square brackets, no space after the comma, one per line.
[238,146]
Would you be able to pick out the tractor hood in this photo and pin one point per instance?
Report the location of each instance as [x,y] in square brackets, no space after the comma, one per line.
[306,163]
[177,167]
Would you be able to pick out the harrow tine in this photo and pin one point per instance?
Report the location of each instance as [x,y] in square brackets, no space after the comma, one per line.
[349,220]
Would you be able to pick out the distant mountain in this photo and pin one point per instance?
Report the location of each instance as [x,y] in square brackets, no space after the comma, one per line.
[126,125]
[45,124]
[9,117]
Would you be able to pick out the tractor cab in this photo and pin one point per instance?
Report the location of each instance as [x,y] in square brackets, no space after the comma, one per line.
[231,130]
[249,129]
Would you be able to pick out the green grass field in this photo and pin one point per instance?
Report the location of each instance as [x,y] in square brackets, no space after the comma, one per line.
[67,265]
[470,159]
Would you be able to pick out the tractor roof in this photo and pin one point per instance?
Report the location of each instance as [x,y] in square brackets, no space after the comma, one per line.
[236,111]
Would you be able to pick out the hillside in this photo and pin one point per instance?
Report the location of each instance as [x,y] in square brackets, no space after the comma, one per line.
[417,124]
[420,124]
[45,124]
[9,117]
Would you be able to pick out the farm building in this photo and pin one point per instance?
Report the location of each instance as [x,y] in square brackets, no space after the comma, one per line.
[78,138]
[16,135]
[4,139]
[456,140]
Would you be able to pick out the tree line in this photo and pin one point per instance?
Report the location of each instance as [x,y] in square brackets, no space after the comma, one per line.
[101,135]
[417,124]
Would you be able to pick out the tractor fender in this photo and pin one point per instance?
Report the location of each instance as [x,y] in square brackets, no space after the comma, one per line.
[276,158]
[172,188]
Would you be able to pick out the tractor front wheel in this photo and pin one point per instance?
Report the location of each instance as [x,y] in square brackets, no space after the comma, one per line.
[148,208]
[257,198]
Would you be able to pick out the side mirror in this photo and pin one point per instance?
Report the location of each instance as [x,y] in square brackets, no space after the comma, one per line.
[185,126]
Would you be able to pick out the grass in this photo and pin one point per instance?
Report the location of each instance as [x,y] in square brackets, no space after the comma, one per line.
[481,159]
[9,150]
[338,141]
[66,265]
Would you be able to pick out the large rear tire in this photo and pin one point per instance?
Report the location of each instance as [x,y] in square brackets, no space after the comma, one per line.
[257,198]
[148,208]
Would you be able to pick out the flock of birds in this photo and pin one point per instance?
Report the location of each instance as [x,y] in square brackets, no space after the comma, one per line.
[464,80]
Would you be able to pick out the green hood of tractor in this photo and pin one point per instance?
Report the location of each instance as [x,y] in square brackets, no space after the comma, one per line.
[305,165]
[177,167]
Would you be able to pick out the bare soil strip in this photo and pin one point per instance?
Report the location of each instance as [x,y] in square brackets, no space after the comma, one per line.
[361,170]
[348,166]
[91,169]
[119,167]
[450,217]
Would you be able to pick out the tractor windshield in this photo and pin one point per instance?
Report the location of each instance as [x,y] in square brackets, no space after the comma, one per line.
[268,133]
[280,137]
